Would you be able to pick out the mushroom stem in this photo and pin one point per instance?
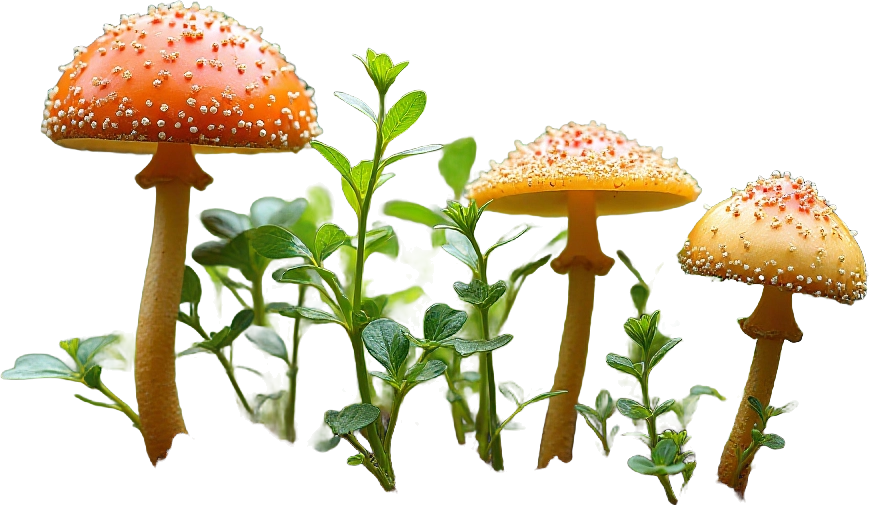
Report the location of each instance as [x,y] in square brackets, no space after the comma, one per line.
[771,323]
[582,260]
[156,393]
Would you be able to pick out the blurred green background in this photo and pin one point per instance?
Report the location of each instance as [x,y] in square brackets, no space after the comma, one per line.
[733,90]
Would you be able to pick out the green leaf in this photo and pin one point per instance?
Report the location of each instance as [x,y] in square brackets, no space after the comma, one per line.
[636,331]
[385,377]
[335,158]
[329,238]
[688,472]
[242,320]
[665,452]
[459,247]
[469,347]
[640,296]
[478,294]
[642,437]
[425,372]
[772,441]
[627,261]
[441,322]
[268,341]
[386,342]
[528,268]
[604,404]
[323,440]
[413,212]
[196,349]
[405,296]
[292,275]
[92,376]
[191,288]
[357,104]
[38,366]
[592,419]
[456,162]
[622,364]
[512,392]
[756,406]
[643,465]
[663,408]
[784,409]
[236,254]
[381,239]
[633,410]
[402,115]
[94,403]
[271,210]
[355,460]
[671,343]
[89,348]
[313,315]
[509,237]
[71,348]
[408,153]
[394,71]
[262,399]
[352,418]
[275,242]
[224,223]
[706,390]
[542,396]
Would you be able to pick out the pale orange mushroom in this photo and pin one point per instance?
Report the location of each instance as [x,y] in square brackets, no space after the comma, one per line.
[582,172]
[778,233]
[172,83]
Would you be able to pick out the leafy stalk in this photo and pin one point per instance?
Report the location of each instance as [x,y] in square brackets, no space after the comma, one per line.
[758,437]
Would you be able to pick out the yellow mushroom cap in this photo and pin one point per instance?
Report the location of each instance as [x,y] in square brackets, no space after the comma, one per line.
[627,177]
[778,232]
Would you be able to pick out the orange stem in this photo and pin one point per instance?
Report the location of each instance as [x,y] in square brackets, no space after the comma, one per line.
[582,260]
[172,170]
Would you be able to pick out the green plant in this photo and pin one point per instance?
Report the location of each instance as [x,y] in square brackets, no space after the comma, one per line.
[596,418]
[86,355]
[758,437]
[462,245]
[667,456]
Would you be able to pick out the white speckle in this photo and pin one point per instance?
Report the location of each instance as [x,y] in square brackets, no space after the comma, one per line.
[193,129]
[262,133]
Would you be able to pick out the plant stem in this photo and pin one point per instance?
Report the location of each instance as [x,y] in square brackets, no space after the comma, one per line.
[292,372]
[123,407]
[259,305]
[385,482]
[653,431]
[390,430]
[231,374]
[603,439]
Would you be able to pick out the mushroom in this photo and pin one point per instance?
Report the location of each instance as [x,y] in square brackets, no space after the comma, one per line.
[171,83]
[581,171]
[777,232]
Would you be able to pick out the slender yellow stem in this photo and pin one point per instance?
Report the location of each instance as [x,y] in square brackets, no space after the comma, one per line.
[172,169]
[582,260]
[771,323]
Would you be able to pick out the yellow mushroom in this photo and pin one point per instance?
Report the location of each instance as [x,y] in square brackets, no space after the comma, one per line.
[582,172]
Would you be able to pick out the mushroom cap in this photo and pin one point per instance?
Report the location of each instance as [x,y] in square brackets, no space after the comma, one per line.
[182,75]
[778,232]
[627,177]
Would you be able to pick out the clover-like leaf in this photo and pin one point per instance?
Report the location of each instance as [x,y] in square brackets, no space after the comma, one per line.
[604,404]
[402,115]
[425,372]
[469,347]
[509,237]
[335,158]
[441,322]
[632,409]
[223,223]
[351,418]
[459,247]
[329,238]
[772,441]
[386,342]
[622,364]
[268,341]
[357,104]
[39,366]
[512,391]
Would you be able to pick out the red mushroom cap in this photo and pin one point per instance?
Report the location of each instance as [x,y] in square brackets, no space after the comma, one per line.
[181,75]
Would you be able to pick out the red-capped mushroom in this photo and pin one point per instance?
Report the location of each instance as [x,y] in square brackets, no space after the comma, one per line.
[172,83]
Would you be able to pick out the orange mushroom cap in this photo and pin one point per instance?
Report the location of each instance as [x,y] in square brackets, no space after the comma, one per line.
[180,75]
[626,176]
[778,232]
